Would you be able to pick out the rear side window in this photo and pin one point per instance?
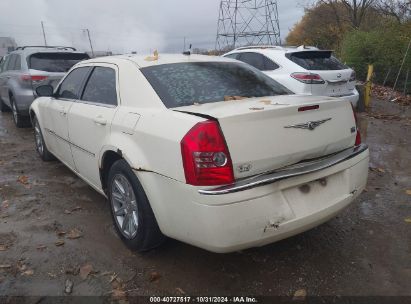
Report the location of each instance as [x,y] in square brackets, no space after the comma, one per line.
[14,63]
[17,63]
[258,61]
[232,56]
[101,86]
[11,62]
[183,84]
[54,62]
[316,60]
[71,85]
[5,63]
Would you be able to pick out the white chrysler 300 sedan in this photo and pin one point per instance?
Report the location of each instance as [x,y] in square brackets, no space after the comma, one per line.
[206,150]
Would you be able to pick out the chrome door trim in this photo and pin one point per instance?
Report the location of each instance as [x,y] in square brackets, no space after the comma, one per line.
[70,143]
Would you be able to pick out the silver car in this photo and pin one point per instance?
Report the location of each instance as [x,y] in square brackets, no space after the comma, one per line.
[28,67]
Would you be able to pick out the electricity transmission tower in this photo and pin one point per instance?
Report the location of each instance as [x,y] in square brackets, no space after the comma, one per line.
[247,22]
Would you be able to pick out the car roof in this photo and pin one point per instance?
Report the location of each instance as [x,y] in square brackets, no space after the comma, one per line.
[27,50]
[276,48]
[146,61]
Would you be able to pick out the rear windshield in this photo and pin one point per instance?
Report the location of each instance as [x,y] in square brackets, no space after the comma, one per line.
[184,84]
[316,61]
[55,62]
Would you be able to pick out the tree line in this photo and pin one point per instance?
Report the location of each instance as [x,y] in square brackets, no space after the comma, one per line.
[361,32]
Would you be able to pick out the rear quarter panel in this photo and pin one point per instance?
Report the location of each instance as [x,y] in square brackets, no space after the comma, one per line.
[154,144]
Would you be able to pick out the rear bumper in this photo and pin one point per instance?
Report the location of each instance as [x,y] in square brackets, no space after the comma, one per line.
[291,171]
[353,98]
[257,216]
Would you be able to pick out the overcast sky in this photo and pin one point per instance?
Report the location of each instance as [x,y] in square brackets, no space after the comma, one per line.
[123,25]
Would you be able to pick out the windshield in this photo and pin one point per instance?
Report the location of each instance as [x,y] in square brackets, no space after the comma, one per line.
[55,62]
[184,84]
[316,60]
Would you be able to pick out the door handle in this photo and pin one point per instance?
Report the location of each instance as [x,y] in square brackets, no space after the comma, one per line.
[100,120]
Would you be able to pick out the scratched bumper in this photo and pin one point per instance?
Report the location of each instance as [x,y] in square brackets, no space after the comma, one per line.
[288,172]
[257,216]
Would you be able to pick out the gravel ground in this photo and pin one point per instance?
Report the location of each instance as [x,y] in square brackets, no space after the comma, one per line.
[55,230]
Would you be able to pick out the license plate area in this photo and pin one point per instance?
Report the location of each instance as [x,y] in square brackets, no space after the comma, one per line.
[316,195]
[336,89]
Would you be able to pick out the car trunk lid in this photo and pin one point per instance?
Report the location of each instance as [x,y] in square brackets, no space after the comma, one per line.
[50,67]
[337,83]
[336,76]
[39,78]
[264,134]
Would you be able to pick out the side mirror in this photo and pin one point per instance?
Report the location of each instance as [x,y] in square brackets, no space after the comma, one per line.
[45,91]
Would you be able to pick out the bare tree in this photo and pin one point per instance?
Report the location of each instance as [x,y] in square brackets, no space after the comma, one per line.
[356,9]
[400,10]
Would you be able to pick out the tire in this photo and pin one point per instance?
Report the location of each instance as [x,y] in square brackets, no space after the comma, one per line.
[3,106]
[128,200]
[20,121]
[41,147]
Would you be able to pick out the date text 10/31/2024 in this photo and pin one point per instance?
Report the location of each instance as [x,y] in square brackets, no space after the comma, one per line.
[187,299]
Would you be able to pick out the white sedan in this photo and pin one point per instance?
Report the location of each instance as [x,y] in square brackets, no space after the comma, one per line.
[206,150]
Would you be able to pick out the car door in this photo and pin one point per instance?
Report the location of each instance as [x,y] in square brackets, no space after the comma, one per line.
[56,111]
[90,119]
[258,61]
[4,77]
[267,66]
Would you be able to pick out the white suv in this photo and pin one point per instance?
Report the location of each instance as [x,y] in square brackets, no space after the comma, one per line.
[303,70]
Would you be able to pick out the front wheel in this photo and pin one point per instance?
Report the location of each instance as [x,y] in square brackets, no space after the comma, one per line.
[39,141]
[131,211]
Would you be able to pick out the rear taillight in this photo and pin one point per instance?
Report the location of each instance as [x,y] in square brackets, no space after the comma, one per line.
[358,135]
[353,76]
[358,138]
[206,158]
[308,78]
[33,78]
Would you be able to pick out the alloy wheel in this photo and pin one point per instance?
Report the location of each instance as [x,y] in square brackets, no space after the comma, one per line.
[39,138]
[14,110]
[124,204]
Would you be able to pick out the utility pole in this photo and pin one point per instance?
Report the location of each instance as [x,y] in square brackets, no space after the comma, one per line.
[235,23]
[89,40]
[402,64]
[44,34]
[406,82]
[184,48]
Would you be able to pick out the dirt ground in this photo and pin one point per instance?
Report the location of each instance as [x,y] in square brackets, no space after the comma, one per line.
[56,230]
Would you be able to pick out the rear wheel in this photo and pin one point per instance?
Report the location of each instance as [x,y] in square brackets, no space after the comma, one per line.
[3,106]
[40,144]
[131,211]
[20,121]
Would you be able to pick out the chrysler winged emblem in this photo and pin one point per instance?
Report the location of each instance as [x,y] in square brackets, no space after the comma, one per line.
[311,125]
